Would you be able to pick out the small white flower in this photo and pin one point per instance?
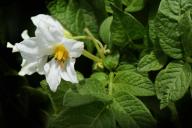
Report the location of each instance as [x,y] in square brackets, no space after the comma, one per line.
[49,52]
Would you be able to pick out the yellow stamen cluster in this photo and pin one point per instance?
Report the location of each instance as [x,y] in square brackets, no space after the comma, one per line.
[60,53]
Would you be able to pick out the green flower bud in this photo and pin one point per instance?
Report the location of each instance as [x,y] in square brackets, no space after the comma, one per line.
[111,61]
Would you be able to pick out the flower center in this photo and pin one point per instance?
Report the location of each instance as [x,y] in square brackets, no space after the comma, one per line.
[60,53]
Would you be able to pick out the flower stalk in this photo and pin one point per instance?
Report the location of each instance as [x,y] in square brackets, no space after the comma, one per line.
[81,38]
[91,56]
[96,42]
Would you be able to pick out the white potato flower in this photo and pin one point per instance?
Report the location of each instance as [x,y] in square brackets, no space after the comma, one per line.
[49,52]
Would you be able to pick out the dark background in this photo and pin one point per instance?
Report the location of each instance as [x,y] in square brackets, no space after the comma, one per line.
[20,105]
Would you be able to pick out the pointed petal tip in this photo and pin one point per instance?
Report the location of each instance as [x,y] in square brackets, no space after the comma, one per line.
[74,80]
[53,85]
[9,45]
[53,77]
[14,48]
[53,89]
[21,73]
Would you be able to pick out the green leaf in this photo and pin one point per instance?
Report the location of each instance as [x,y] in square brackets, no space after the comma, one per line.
[167,25]
[124,28]
[133,5]
[98,6]
[88,91]
[172,82]
[107,6]
[130,112]
[80,76]
[57,97]
[111,61]
[74,99]
[101,76]
[124,67]
[151,62]
[186,29]
[153,8]
[152,33]
[92,88]
[94,115]
[104,31]
[76,15]
[134,83]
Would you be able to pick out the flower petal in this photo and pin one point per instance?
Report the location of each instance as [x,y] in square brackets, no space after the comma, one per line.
[14,48]
[77,49]
[30,49]
[23,62]
[48,28]
[69,73]
[32,67]
[65,76]
[52,73]
[41,63]
[25,35]
[48,22]
[28,68]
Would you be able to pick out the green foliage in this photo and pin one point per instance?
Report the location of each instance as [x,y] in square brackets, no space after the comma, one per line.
[93,87]
[111,61]
[133,5]
[186,29]
[90,102]
[131,112]
[101,76]
[105,32]
[167,24]
[151,62]
[94,115]
[56,97]
[172,83]
[77,15]
[80,76]
[129,67]
[133,83]
[107,6]
[125,28]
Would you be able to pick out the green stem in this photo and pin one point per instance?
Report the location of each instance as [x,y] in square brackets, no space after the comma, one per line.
[80,38]
[174,115]
[96,42]
[91,56]
[110,87]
